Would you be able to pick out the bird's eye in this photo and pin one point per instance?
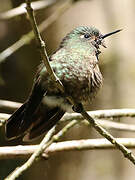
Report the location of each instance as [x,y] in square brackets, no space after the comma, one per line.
[87,36]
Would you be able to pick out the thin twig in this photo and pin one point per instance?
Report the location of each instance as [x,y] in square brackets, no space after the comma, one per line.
[107,113]
[9,105]
[113,125]
[26,39]
[127,153]
[21,9]
[12,152]
[3,118]
[46,142]
[104,123]
[112,113]
[35,156]
[41,45]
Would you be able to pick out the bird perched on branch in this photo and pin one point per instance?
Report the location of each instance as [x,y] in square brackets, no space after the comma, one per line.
[75,63]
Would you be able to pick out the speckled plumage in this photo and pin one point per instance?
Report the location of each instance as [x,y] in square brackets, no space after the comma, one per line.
[76,65]
[81,73]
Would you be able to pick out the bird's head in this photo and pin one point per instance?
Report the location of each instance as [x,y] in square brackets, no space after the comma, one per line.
[87,36]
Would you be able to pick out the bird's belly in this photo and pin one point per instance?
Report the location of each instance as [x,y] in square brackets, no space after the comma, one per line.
[54,101]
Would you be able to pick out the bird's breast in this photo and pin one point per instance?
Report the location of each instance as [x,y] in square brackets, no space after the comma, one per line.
[78,73]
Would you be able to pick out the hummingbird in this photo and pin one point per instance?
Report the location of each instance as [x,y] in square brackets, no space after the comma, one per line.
[76,64]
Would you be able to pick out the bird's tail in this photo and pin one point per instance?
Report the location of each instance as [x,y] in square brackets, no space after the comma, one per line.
[44,119]
[33,118]
[21,119]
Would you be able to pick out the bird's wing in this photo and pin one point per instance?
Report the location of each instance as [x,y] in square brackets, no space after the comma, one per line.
[32,118]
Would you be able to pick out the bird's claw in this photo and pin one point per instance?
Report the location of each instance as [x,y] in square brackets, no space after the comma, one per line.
[78,108]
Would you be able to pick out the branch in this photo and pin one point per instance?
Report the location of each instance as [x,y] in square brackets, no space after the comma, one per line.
[3,118]
[127,153]
[108,113]
[74,145]
[41,45]
[21,9]
[9,105]
[46,142]
[113,125]
[61,8]
[113,113]
[35,156]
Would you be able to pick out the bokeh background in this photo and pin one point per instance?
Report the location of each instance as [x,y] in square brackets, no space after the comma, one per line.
[117,64]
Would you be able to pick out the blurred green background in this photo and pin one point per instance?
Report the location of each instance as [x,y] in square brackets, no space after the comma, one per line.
[117,64]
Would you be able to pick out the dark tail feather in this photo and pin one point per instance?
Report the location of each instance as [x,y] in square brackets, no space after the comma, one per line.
[14,123]
[44,121]
[21,120]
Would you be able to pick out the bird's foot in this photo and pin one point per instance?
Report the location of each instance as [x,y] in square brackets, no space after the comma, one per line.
[78,108]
